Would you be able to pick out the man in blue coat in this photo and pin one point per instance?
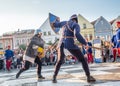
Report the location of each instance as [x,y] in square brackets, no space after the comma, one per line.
[118,38]
[70,30]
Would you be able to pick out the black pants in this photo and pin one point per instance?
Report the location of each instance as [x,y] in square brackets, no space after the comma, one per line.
[39,65]
[77,53]
[28,64]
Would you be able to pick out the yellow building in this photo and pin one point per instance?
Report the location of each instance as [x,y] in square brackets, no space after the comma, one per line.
[1,53]
[87,29]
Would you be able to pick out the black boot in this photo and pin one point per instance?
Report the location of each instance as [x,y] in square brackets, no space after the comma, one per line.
[91,79]
[41,77]
[113,60]
[54,79]
[18,74]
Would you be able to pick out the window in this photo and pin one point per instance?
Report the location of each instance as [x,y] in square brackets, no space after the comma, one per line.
[84,26]
[91,37]
[23,41]
[7,42]
[28,40]
[1,46]
[49,33]
[101,22]
[17,43]
[45,34]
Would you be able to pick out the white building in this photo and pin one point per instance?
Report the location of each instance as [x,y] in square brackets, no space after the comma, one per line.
[22,37]
[47,33]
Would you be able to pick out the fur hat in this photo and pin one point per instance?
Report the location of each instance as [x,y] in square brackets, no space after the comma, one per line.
[74,16]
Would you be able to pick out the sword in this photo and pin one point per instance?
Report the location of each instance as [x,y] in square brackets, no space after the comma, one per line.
[54,45]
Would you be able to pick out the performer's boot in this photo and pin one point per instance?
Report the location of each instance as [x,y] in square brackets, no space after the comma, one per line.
[113,61]
[41,77]
[91,79]
[18,74]
[54,79]
[39,73]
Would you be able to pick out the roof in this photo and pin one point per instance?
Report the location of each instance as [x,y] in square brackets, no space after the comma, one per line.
[111,22]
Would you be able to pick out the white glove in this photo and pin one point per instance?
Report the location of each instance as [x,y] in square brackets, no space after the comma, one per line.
[34,46]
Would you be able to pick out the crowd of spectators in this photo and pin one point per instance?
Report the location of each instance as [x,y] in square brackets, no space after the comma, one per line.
[51,58]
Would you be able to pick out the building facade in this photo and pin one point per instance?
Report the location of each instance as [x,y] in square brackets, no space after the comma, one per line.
[16,39]
[47,33]
[103,29]
[5,40]
[87,29]
[22,37]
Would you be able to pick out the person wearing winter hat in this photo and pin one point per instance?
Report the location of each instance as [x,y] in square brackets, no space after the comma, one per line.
[33,54]
[70,30]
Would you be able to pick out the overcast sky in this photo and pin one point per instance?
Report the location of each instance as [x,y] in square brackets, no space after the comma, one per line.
[30,14]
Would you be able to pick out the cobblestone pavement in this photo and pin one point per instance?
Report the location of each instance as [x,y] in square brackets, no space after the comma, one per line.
[107,74]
